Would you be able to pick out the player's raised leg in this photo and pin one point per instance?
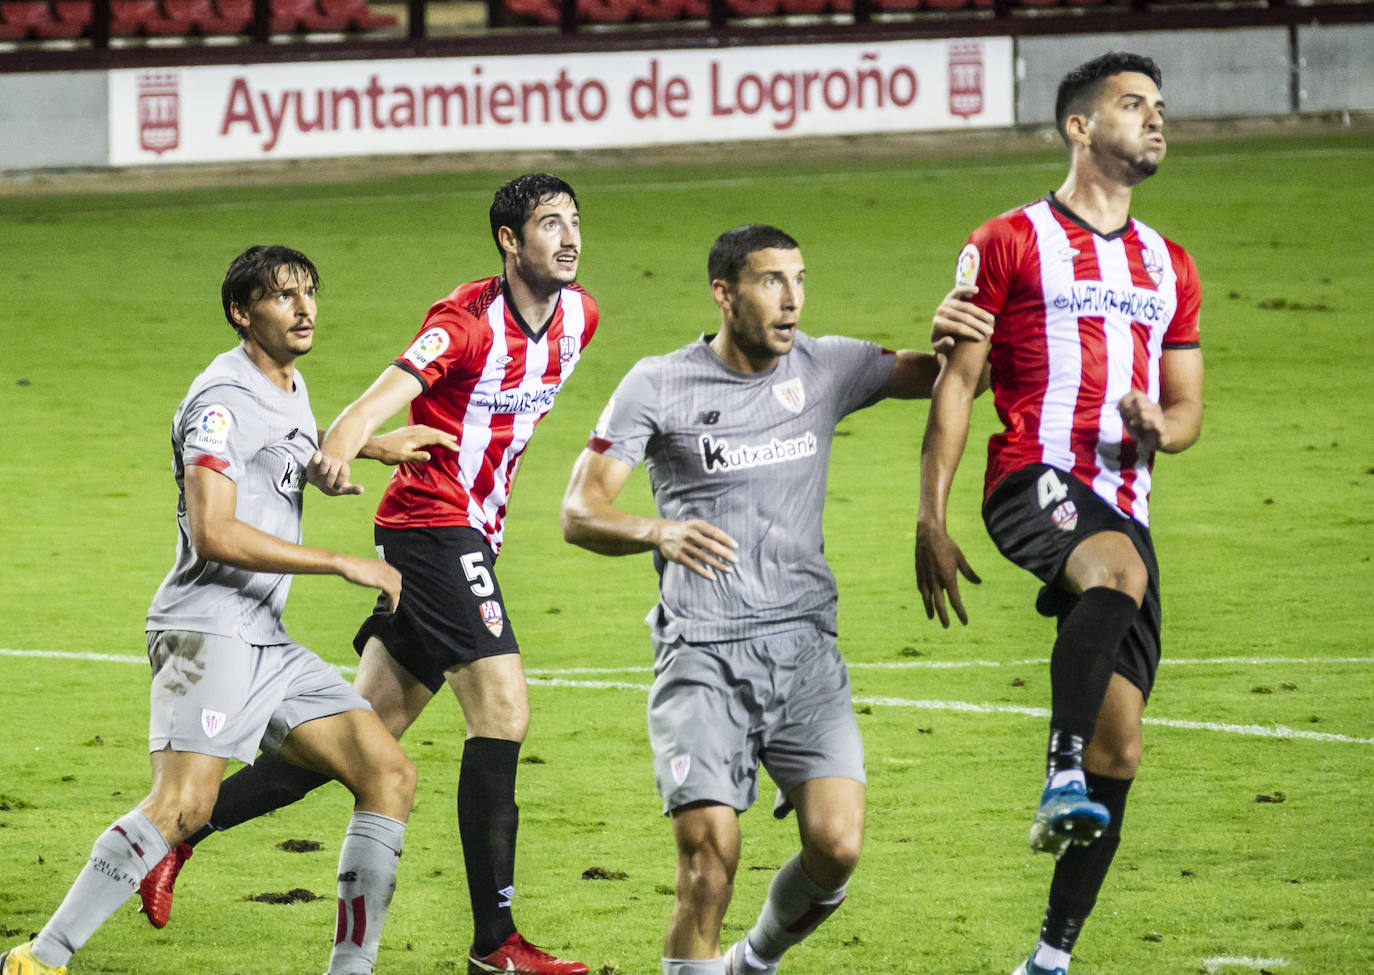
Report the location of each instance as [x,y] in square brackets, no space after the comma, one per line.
[1107,571]
[810,887]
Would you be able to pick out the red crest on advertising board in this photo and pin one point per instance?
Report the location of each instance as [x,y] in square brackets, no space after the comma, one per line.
[965,78]
[159,113]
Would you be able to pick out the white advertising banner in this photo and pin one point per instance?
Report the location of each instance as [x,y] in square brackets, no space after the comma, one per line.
[555,101]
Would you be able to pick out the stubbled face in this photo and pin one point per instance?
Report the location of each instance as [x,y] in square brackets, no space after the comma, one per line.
[762,309]
[281,319]
[1126,127]
[547,257]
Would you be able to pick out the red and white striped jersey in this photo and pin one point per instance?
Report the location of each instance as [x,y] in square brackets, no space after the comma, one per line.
[1082,318]
[488,378]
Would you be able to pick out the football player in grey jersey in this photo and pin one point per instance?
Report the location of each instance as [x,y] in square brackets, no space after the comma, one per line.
[226,677]
[735,432]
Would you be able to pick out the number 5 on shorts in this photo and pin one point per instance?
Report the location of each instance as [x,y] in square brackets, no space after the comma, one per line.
[477,574]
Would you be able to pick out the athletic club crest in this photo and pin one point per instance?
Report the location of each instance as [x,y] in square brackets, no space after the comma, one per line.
[791,394]
[1154,265]
[965,78]
[159,113]
[1065,516]
[211,722]
[492,617]
[680,766]
[567,348]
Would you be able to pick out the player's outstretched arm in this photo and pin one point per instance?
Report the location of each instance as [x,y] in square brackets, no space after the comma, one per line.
[218,535]
[939,562]
[350,431]
[1174,423]
[405,445]
[591,520]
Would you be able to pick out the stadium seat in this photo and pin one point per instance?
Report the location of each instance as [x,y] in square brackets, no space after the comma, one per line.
[542,11]
[658,9]
[805,6]
[200,16]
[133,17]
[234,15]
[900,5]
[356,14]
[20,19]
[606,11]
[753,8]
[73,15]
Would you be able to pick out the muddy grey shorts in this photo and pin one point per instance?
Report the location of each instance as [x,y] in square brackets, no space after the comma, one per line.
[718,710]
[214,695]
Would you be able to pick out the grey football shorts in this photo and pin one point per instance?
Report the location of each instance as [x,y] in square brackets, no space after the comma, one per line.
[718,710]
[215,695]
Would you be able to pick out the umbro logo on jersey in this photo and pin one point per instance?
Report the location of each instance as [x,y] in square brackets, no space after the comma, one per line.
[709,417]
[1069,254]
[504,360]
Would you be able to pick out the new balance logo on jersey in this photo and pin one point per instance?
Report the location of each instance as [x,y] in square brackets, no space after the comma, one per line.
[1095,298]
[709,417]
[718,455]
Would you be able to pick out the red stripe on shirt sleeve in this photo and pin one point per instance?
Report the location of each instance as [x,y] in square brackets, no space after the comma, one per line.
[598,445]
[209,460]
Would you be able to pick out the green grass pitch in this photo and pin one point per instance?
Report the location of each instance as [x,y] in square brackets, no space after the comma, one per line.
[1248,840]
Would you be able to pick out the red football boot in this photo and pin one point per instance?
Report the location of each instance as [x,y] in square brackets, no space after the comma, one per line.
[156,889]
[518,957]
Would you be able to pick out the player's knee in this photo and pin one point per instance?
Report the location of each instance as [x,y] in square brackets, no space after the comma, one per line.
[834,852]
[705,880]
[179,813]
[1114,758]
[388,782]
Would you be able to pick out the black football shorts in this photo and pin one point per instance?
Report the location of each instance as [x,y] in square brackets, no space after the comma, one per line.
[451,610]
[1037,516]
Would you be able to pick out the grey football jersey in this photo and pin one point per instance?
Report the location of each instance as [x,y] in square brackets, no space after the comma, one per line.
[748,454]
[235,421]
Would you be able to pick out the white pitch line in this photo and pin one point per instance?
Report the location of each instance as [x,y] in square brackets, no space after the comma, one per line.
[536,679]
[1214,965]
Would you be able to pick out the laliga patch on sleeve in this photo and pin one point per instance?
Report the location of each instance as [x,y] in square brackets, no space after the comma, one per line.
[429,346]
[211,429]
[966,270]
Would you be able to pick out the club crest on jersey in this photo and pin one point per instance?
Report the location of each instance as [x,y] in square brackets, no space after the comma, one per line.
[211,722]
[492,617]
[1154,265]
[966,268]
[680,766]
[567,348]
[431,344]
[211,429]
[1065,516]
[791,394]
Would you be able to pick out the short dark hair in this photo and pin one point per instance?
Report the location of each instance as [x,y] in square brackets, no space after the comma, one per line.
[1080,88]
[254,272]
[732,249]
[514,202]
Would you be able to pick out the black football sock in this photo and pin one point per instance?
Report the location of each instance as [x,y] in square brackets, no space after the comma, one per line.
[268,784]
[487,821]
[1081,667]
[1079,874]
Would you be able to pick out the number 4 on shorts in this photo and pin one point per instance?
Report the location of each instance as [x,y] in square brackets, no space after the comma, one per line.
[1049,489]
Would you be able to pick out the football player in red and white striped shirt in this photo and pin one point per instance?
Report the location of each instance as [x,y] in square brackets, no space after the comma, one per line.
[1095,367]
[487,365]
